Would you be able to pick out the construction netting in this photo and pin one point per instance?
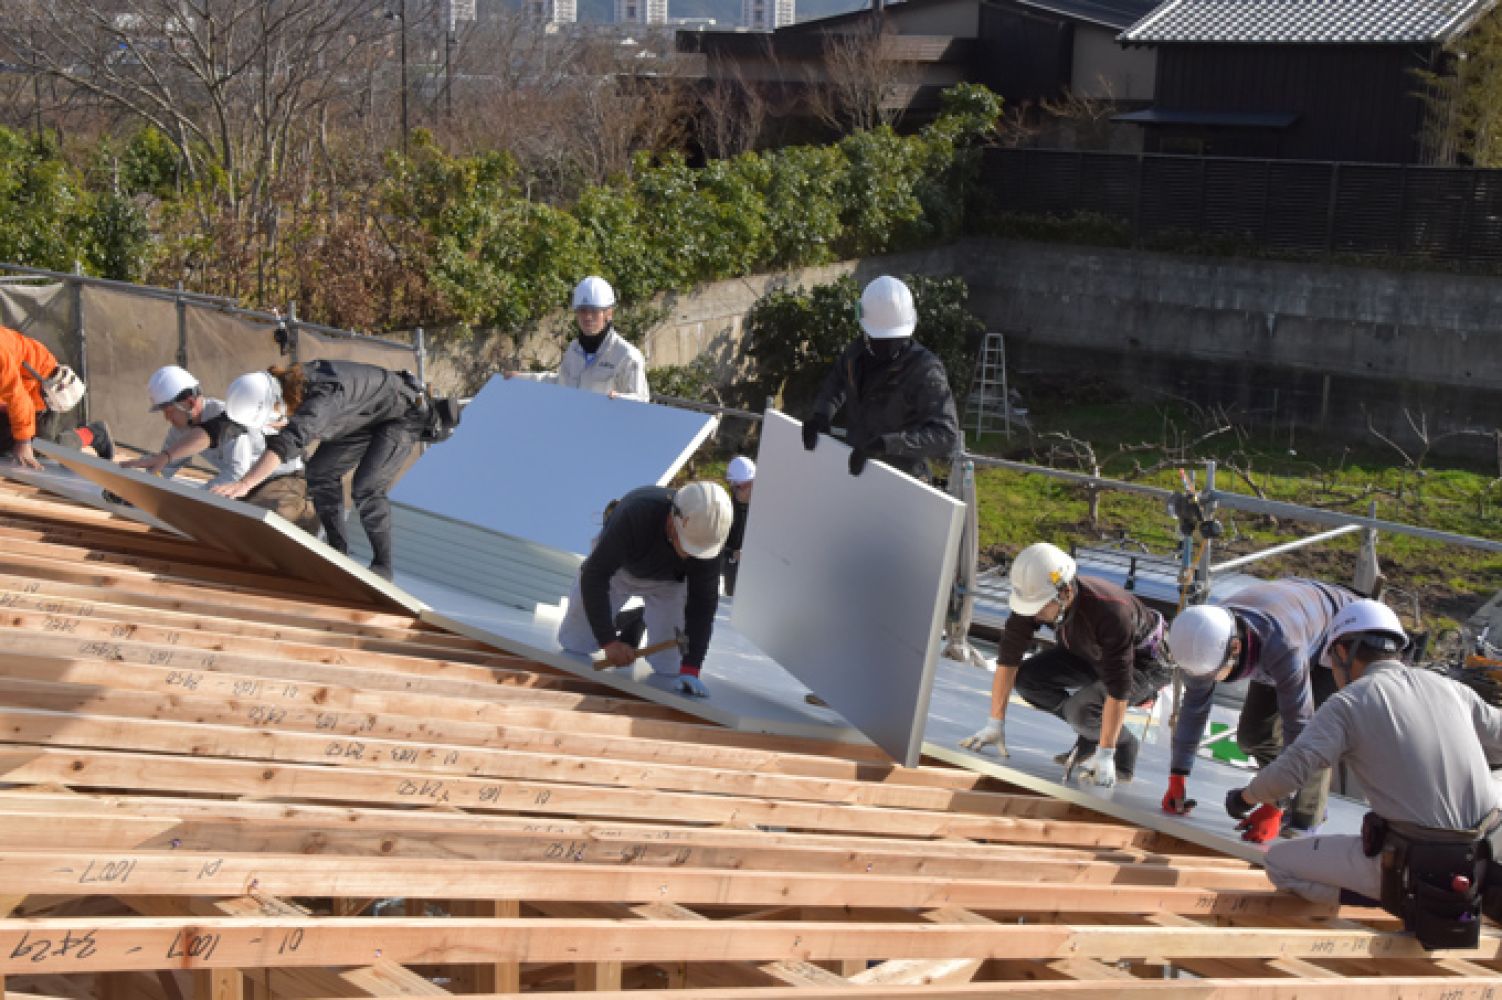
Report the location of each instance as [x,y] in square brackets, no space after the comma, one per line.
[116,336]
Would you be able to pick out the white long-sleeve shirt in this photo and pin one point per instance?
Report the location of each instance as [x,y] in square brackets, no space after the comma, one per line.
[1416,741]
[616,367]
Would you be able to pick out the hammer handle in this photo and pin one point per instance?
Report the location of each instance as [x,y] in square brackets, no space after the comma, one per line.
[656,647]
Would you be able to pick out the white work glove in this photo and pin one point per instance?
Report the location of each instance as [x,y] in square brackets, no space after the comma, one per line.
[689,684]
[993,734]
[1101,768]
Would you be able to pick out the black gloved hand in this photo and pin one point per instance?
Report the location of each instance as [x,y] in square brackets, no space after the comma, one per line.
[858,456]
[1236,806]
[812,428]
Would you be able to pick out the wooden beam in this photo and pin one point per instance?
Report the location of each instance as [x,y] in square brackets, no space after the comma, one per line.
[128,720]
[238,827]
[117,944]
[1374,988]
[147,771]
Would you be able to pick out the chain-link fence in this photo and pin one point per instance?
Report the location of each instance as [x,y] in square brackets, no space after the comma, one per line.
[116,334]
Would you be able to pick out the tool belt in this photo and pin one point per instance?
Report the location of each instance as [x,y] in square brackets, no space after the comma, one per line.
[1438,882]
[439,414]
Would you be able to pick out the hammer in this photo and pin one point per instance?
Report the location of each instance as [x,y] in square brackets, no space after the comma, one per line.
[679,640]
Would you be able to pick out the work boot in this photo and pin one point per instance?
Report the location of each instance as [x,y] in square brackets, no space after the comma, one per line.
[1081,752]
[383,570]
[631,626]
[104,442]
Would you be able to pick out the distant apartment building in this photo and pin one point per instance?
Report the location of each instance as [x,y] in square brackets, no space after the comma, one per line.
[768,15]
[552,11]
[641,11]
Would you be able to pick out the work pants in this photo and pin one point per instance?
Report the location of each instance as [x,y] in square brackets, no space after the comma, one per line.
[286,496]
[1259,733]
[376,453]
[1060,683]
[1318,868]
[664,600]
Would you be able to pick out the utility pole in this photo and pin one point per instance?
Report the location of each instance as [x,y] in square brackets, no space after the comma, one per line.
[402,16]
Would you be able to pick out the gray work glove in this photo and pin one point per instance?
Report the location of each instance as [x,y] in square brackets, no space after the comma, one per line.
[993,734]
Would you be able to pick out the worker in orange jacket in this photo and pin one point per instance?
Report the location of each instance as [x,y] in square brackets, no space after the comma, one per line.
[26,368]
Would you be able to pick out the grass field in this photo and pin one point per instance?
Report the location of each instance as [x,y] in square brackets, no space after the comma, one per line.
[1146,443]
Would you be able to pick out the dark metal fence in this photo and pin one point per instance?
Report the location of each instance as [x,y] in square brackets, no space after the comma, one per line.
[1300,207]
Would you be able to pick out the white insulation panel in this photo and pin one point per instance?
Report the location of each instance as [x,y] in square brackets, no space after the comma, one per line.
[540,461]
[845,579]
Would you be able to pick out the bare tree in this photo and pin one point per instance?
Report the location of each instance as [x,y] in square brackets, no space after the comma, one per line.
[732,110]
[857,84]
[235,85]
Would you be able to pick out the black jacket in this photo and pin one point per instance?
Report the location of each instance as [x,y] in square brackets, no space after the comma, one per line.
[635,538]
[343,397]
[906,404]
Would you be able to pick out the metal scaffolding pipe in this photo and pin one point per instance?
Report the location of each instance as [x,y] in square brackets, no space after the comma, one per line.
[1278,550]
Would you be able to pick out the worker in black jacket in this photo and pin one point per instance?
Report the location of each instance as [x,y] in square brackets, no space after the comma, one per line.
[894,391]
[364,417]
[662,546]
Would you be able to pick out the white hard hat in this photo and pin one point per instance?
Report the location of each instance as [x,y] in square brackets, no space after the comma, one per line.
[704,514]
[742,470]
[1369,623]
[594,293]
[887,309]
[1200,637]
[252,399]
[168,383]
[1038,573]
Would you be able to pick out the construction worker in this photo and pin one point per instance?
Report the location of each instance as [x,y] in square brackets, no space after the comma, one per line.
[1418,744]
[198,425]
[1272,634]
[35,391]
[363,417]
[741,474]
[662,546]
[1105,658]
[599,358]
[894,392]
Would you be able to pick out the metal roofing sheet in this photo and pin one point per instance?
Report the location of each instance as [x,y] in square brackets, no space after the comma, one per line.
[1324,22]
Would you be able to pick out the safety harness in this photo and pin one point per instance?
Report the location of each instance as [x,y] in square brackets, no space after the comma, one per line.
[1438,882]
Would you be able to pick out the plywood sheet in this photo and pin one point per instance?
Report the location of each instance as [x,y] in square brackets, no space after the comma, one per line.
[258,538]
[66,483]
[845,579]
[540,462]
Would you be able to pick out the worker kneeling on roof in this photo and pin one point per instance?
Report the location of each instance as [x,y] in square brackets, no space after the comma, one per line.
[662,546]
[1418,744]
[599,359]
[1274,634]
[1105,658]
[35,392]
[198,425]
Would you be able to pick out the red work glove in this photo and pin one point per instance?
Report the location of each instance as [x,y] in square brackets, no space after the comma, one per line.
[1262,825]
[1176,800]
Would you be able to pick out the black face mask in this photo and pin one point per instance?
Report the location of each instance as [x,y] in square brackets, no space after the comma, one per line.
[887,350]
[591,345]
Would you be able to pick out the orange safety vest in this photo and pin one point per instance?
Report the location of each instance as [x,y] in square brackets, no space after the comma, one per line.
[20,394]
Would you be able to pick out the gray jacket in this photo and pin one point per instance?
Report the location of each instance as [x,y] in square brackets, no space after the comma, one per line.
[907,405]
[1286,623]
[1416,741]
